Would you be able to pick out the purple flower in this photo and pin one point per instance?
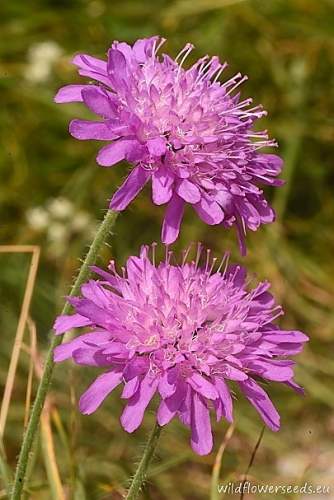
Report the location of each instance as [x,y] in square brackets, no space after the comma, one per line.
[190,134]
[183,332]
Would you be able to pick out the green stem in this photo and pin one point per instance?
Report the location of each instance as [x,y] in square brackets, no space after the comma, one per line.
[44,384]
[140,475]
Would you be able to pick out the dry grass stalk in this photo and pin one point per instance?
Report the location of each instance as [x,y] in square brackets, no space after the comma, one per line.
[35,252]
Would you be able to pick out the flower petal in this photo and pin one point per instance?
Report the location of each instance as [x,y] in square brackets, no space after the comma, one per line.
[99,390]
[162,185]
[172,220]
[69,93]
[188,191]
[261,402]
[209,211]
[113,153]
[201,435]
[225,397]
[86,130]
[156,146]
[68,321]
[169,406]
[202,386]
[130,388]
[168,383]
[133,413]
[65,350]
[92,67]
[133,184]
[99,102]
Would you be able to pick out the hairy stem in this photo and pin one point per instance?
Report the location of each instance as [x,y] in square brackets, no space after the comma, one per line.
[44,384]
[140,475]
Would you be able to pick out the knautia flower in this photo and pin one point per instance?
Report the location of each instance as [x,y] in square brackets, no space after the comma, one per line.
[182,332]
[191,135]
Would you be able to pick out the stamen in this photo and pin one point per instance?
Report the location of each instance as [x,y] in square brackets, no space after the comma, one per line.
[185,254]
[156,48]
[198,254]
[232,80]
[208,252]
[189,48]
[213,263]
[225,260]
[242,80]
[185,49]
[154,246]
[221,69]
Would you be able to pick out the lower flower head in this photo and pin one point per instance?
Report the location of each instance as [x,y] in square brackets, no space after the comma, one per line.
[182,331]
[182,129]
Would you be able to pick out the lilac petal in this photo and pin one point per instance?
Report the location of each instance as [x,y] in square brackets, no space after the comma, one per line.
[218,406]
[165,414]
[90,356]
[201,435]
[142,48]
[209,211]
[185,408]
[133,413]
[70,93]
[157,146]
[241,233]
[202,386]
[130,388]
[274,161]
[96,314]
[296,387]
[68,321]
[99,390]
[271,369]
[137,366]
[94,68]
[168,383]
[261,402]
[113,153]
[293,336]
[98,102]
[117,68]
[188,191]
[65,350]
[130,188]
[135,268]
[112,280]
[162,184]
[172,220]
[87,62]
[170,406]
[125,48]
[94,291]
[225,397]
[85,130]
[233,373]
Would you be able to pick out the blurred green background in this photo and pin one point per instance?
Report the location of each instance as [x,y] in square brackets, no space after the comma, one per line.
[53,194]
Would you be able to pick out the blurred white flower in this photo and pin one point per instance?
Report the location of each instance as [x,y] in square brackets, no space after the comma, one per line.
[61,223]
[41,58]
[37,218]
[57,232]
[80,221]
[60,208]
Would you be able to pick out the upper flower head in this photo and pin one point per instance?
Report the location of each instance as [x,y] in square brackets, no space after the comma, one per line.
[190,134]
[182,331]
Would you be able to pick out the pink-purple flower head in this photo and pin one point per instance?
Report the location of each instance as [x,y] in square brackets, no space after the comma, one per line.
[191,135]
[182,332]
